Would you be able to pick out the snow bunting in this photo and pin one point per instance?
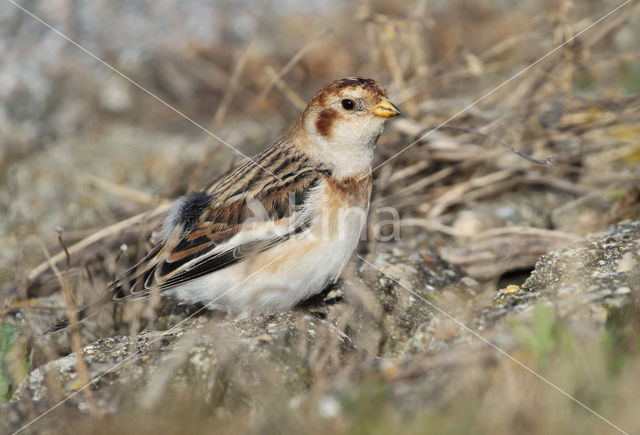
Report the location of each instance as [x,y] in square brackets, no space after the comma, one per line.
[280,227]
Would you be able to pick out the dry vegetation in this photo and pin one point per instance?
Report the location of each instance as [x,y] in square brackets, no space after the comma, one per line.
[86,150]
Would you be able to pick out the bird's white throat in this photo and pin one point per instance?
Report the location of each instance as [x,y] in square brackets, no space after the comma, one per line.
[349,149]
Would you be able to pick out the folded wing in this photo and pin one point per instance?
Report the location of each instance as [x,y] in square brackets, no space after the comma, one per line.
[227,231]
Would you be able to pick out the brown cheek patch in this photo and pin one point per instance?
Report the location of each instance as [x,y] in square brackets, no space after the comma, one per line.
[325,121]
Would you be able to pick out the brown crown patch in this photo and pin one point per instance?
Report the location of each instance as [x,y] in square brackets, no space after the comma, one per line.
[349,82]
[355,82]
[324,121]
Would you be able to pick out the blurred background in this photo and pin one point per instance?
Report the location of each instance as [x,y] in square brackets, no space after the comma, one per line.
[83,148]
[76,135]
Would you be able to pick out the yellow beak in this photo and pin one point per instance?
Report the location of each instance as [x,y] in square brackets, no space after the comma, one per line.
[386,108]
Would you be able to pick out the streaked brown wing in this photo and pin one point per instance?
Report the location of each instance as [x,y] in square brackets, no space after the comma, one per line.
[224,259]
[189,256]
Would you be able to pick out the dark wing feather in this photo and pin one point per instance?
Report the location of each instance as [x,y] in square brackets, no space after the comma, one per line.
[222,211]
[227,258]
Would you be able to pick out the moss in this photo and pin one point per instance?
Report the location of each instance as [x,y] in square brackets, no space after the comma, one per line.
[8,364]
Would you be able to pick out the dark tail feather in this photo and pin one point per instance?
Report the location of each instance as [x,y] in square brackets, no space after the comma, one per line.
[115,293]
[82,314]
[118,291]
[66,322]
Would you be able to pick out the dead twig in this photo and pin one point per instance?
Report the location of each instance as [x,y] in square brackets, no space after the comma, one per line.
[125,192]
[96,237]
[72,314]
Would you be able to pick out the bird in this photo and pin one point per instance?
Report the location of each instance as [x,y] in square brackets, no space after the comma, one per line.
[281,226]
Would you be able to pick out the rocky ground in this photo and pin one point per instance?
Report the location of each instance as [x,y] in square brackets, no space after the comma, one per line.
[396,323]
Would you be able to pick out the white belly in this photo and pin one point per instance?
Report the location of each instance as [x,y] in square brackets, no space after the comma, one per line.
[277,279]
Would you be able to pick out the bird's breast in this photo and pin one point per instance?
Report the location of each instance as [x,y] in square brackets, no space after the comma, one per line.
[341,207]
[351,191]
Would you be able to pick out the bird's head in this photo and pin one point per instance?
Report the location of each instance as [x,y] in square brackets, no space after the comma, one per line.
[343,121]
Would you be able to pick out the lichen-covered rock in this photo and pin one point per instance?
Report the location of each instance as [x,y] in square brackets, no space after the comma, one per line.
[392,297]
[583,285]
[582,280]
[224,360]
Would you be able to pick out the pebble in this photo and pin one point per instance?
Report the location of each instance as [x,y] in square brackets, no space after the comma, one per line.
[622,290]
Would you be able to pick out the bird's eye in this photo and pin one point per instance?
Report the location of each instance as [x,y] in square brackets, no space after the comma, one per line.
[348,104]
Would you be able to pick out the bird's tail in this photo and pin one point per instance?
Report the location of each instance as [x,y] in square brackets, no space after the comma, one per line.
[83,314]
[122,289]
